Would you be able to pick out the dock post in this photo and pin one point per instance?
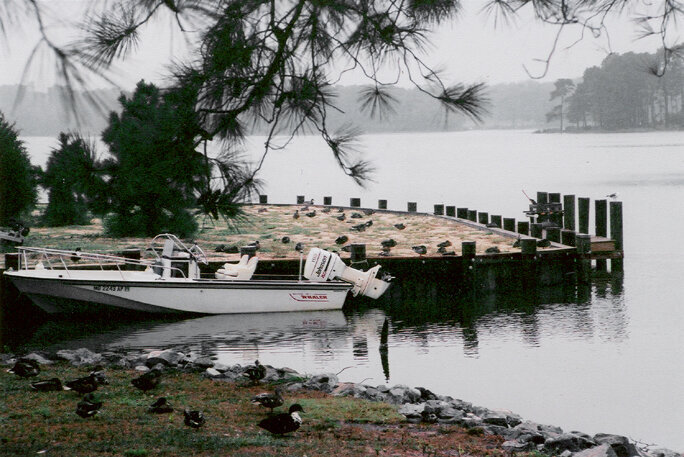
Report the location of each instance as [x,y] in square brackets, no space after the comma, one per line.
[569,212]
[542,197]
[556,218]
[509,224]
[616,233]
[439,210]
[451,211]
[263,199]
[583,243]
[536,230]
[483,218]
[355,202]
[523,227]
[462,213]
[496,220]
[412,207]
[472,215]
[528,251]
[553,234]
[327,201]
[583,214]
[382,204]
[358,252]
[568,237]
[300,199]
[601,228]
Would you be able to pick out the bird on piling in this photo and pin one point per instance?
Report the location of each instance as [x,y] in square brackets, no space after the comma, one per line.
[614,195]
[284,422]
[269,400]
[420,250]
[47,385]
[194,419]
[25,368]
[147,381]
[160,406]
[341,239]
[88,407]
[256,372]
[83,385]
[399,226]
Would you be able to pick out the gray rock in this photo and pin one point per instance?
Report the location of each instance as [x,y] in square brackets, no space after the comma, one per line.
[7,359]
[567,441]
[494,418]
[166,357]
[222,367]
[79,357]
[37,358]
[604,450]
[142,368]
[203,362]
[619,444]
[515,446]
[322,382]
[212,373]
[662,452]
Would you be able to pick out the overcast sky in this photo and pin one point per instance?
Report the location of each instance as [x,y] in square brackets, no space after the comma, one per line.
[472,49]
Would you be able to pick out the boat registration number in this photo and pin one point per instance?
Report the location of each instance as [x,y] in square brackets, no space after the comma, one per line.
[112,288]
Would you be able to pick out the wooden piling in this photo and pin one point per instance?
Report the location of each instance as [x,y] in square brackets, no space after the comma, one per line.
[569,212]
[462,213]
[300,199]
[583,214]
[523,227]
[412,207]
[355,202]
[616,233]
[472,215]
[536,230]
[568,237]
[451,211]
[583,244]
[358,252]
[556,218]
[327,201]
[601,228]
[553,234]
[509,224]
[528,251]
[439,210]
[483,218]
[496,220]
[542,197]
[263,199]
[382,204]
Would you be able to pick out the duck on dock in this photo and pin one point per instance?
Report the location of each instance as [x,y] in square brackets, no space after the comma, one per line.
[444,244]
[193,419]
[284,422]
[420,250]
[341,217]
[311,213]
[160,406]
[147,381]
[296,214]
[88,407]
[25,368]
[399,226]
[341,239]
[285,239]
[47,385]
[83,385]
[390,243]
[269,400]
[358,228]
[256,372]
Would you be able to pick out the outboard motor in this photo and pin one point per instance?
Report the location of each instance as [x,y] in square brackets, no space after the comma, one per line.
[324,265]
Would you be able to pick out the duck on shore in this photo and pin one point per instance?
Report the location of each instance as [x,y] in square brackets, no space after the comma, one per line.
[147,381]
[284,422]
[269,400]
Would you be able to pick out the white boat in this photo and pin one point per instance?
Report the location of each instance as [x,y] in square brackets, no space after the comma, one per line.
[61,281]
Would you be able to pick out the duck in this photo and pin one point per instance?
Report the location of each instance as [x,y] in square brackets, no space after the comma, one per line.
[255,244]
[88,407]
[269,400]
[341,239]
[25,368]
[516,243]
[368,212]
[369,223]
[441,250]
[285,239]
[448,253]
[444,244]
[220,248]
[256,372]
[47,385]
[420,250]
[284,422]
[76,255]
[311,213]
[296,214]
[99,374]
[341,217]
[358,228]
[160,406]
[399,226]
[356,215]
[543,243]
[147,381]
[390,243]
[493,250]
[325,210]
[299,247]
[83,385]
[194,419]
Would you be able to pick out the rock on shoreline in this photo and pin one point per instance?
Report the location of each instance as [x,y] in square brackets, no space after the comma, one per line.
[417,404]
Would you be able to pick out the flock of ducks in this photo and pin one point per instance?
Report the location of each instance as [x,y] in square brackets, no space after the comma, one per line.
[89,405]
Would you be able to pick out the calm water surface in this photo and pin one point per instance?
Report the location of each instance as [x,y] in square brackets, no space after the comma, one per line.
[608,358]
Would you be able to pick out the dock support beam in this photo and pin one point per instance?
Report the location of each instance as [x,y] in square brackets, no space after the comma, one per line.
[509,224]
[616,233]
[462,213]
[569,212]
[439,210]
[583,214]
[583,242]
[483,218]
[451,211]
[601,228]
[523,227]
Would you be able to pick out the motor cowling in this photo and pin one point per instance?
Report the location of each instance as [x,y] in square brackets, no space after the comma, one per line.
[324,265]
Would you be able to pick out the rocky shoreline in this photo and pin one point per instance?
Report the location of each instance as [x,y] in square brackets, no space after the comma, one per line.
[417,404]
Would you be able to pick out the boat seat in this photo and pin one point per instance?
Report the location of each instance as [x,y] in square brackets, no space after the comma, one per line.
[244,269]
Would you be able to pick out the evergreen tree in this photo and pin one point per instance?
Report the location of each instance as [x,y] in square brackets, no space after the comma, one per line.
[18,178]
[562,88]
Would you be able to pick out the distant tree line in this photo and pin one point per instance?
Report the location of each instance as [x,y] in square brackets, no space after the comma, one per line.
[629,91]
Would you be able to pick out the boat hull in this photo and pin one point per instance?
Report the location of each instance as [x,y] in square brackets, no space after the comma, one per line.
[59,292]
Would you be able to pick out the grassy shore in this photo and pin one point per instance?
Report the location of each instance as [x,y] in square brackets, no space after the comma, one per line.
[45,423]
